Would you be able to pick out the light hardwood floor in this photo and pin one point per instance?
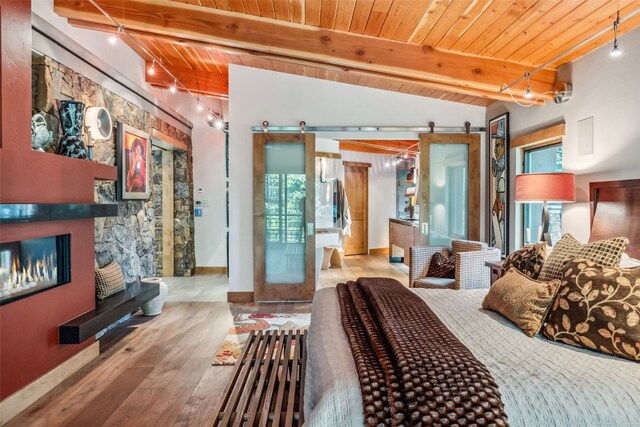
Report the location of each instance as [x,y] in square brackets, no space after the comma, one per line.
[364,265]
[157,371]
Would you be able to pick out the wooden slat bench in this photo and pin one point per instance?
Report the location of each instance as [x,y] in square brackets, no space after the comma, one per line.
[267,385]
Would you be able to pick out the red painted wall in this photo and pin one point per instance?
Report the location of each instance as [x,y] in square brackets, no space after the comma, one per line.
[29,327]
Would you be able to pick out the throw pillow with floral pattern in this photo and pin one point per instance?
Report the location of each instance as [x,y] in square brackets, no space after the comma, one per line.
[598,308]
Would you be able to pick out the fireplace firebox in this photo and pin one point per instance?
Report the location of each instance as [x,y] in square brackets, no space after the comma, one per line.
[31,266]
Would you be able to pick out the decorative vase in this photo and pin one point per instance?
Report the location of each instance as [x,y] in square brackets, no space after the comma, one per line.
[71,119]
[154,307]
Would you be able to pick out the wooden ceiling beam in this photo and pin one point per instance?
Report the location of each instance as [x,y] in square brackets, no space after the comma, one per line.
[349,51]
[213,84]
[346,72]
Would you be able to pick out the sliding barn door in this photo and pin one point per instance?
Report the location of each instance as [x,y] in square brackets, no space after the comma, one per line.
[284,216]
[449,188]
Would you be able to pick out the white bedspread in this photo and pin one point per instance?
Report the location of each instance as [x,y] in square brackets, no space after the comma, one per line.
[543,383]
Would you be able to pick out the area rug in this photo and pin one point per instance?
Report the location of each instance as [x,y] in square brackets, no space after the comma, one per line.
[244,323]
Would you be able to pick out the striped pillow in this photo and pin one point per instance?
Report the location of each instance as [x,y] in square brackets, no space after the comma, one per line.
[606,252]
[109,280]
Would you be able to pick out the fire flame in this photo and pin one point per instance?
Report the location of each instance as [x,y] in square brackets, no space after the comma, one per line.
[43,270]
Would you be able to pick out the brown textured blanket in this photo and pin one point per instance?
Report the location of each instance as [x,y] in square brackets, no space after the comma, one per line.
[412,369]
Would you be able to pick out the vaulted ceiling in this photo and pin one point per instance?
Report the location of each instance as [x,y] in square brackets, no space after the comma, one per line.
[458,50]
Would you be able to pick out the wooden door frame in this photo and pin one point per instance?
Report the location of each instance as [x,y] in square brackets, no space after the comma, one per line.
[293,291]
[365,166]
[473,141]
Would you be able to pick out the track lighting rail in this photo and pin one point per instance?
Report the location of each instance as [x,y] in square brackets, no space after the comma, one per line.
[614,26]
[317,129]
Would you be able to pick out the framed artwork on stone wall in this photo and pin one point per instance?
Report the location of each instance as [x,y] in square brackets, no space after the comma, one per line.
[499,182]
[134,161]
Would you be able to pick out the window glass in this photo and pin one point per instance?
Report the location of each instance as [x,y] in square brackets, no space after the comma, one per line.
[545,159]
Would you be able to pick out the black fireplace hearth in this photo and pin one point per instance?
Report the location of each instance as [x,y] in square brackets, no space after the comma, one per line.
[35,265]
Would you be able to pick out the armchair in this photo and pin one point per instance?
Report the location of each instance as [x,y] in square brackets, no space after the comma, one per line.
[471,273]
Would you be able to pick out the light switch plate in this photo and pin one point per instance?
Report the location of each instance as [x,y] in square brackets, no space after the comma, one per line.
[425,228]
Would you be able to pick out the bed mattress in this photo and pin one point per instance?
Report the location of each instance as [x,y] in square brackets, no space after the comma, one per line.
[543,383]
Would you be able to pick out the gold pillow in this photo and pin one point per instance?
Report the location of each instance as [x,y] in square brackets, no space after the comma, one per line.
[522,300]
[606,252]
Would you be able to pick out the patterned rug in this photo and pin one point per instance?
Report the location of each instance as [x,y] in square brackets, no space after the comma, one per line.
[244,323]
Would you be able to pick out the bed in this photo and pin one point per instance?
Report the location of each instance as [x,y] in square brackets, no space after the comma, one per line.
[543,383]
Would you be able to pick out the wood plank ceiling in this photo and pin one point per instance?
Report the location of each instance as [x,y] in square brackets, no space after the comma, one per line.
[457,50]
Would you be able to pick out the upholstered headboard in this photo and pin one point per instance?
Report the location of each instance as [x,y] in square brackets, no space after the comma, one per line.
[615,211]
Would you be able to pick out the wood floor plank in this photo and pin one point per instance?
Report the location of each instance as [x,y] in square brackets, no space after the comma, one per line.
[103,405]
[203,405]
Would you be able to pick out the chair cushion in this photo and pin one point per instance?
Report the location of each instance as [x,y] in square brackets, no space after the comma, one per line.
[458,246]
[434,283]
[522,300]
[109,280]
[528,260]
[598,308]
[607,252]
[442,266]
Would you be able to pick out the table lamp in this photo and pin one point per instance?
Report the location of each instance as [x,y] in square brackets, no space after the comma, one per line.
[543,188]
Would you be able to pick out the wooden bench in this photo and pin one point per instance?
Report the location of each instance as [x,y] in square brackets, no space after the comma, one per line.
[267,386]
[107,311]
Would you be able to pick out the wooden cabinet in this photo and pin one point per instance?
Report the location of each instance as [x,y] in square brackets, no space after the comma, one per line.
[402,234]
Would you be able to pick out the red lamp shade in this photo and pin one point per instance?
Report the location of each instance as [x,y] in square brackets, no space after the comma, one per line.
[546,187]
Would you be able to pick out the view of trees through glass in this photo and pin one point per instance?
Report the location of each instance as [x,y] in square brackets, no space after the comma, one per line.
[285,195]
[545,159]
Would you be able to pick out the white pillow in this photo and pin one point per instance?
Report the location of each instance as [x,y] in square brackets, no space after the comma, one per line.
[627,262]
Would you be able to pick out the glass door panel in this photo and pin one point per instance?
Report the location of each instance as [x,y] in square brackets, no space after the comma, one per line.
[285,196]
[449,190]
[284,216]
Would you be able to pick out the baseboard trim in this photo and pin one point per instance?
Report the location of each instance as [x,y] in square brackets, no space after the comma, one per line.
[23,398]
[211,270]
[379,251]
[245,296]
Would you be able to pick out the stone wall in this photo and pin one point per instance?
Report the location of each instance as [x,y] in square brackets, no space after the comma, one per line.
[134,236]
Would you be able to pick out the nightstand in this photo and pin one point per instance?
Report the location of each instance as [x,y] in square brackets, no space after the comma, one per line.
[495,267]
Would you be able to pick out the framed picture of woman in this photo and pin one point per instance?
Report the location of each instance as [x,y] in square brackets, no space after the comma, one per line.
[134,154]
[499,182]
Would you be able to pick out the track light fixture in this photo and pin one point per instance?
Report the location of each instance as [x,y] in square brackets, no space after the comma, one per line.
[528,93]
[152,68]
[216,120]
[616,49]
[174,87]
[113,38]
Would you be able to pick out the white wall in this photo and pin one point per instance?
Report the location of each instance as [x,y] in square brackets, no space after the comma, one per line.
[282,99]
[607,89]
[209,176]
[382,195]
